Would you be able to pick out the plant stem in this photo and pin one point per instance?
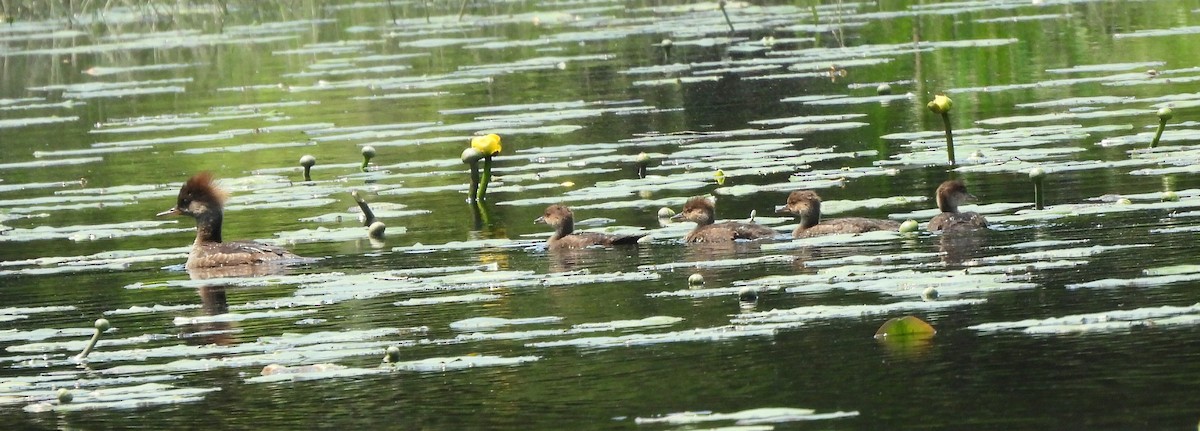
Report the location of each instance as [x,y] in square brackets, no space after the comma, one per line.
[949,137]
[1038,175]
[474,182]
[487,177]
[723,12]
[1162,125]
[368,215]
[101,326]
[1037,194]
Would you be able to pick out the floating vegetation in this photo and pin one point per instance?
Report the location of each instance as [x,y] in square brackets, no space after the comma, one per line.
[604,117]
[1061,116]
[111,70]
[826,312]
[238,317]
[493,323]
[34,121]
[745,418]
[1110,67]
[462,363]
[1156,277]
[833,240]
[324,234]
[175,139]
[243,148]
[124,398]
[448,299]
[908,326]
[92,232]
[1174,31]
[275,373]
[1108,321]
[720,333]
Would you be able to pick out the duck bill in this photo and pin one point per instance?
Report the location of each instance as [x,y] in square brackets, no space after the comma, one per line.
[677,217]
[782,209]
[171,212]
[539,220]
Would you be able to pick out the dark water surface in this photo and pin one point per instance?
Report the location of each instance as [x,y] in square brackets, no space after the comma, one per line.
[145,97]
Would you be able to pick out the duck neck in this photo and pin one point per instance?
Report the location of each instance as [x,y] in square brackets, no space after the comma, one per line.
[208,227]
[946,204]
[708,218]
[810,217]
[564,228]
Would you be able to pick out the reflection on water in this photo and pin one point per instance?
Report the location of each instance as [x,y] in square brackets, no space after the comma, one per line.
[123,102]
[212,303]
[959,246]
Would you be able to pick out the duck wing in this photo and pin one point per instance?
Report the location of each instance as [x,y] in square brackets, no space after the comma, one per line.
[750,231]
[957,221]
[236,253]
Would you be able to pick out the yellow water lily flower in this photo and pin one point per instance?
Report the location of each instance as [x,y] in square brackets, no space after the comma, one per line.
[940,104]
[487,145]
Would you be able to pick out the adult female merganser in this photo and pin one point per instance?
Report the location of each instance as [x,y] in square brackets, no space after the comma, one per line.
[807,205]
[563,221]
[702,211]
[201,199]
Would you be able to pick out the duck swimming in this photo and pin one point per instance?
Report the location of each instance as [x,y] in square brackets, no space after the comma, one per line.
[201,199]
[949,196]
[806,204]
[563,221]
[702,211]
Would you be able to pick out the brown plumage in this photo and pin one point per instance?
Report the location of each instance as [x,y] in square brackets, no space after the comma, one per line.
[806,204]
[201,199]
[949,196]
[701,211]
[563,221]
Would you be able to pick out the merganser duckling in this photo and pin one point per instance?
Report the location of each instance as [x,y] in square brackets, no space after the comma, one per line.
[201,199]
[563,221]
[949,196]
[702,211]
[807,205]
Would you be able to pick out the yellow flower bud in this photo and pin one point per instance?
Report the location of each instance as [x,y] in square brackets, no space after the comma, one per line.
[940,104]
[487,144]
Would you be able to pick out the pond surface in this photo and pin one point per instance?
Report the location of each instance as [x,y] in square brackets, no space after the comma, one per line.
[1078,315]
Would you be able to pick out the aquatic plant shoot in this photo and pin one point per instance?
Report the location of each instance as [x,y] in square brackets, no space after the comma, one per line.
[368,153]
[307,161]
[486,146]
[941,105]
[100,325]
[1164,115]
[1038,176]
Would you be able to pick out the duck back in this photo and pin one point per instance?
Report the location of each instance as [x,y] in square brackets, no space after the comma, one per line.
[845,225]
[578,240]
[213,255]
[729,231]
[957,221]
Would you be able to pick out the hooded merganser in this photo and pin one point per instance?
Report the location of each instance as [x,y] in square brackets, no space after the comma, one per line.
[949,195]
[563,220]
[807,205]
[201,199]
[702,211]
